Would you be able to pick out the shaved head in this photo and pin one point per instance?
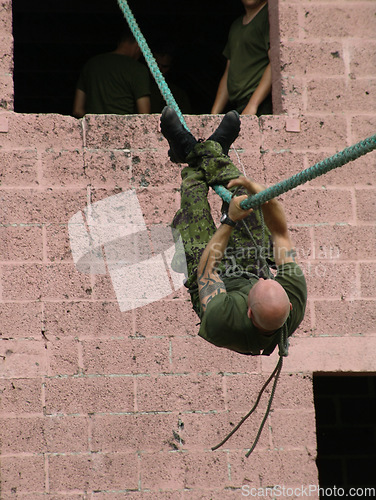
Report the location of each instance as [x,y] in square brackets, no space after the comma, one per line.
[268,305]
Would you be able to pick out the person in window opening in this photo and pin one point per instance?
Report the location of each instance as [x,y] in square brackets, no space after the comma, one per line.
[241,307]
[164,54]
[247,80]
[114,82]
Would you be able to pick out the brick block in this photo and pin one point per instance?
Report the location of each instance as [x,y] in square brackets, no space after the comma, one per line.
[368,279]
[6,17]
[143,432]
[201,431]
[89,395]
[108,167]
[327,279]
[158,205]
[242,391]
[349,22]
[138,495]
[205,470]
[20,396]
[180,392]
[22,474]
[363,126]
[87,320]
[64,168]
[58,243]
[336,94]
[301,58]
[362,57]
[314,205]
[294,391]
[19,167]
[23,358]
[136,355]
[62,357]
[194,354]
[317,133]
[365,205]
[93,472]
[344,242]
[281,165]
[153,169]
[354,173]
[162,471]
[289,25]
[331,354]
[302,239]
[171,318]
[20,320]
[38,207]
[7,92]
[293,90]
[103,289]
[21,243]
[250,162]
[274,468]
[54,281]
[123,132]
[293,429]
[344,318]
[222,494]
[250,138]
[42,435]
[42,131]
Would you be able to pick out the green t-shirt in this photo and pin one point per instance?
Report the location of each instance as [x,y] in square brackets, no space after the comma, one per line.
[225,322]
[113,83]
[247,49]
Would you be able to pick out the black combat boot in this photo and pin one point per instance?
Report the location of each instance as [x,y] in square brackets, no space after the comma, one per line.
[180,140]
[227,131]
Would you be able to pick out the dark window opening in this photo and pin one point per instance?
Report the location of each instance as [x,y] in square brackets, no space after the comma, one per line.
[346,432]
[53,40]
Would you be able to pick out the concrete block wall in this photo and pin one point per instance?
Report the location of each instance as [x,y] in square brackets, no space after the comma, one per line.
[102,404]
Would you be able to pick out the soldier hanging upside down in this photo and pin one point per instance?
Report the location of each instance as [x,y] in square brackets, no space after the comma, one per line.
[241,304]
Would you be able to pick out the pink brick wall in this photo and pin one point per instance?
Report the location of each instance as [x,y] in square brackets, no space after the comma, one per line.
[102,404]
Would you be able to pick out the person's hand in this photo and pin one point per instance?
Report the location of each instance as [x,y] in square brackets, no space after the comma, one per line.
[235,212]
[250,109]
[241,181]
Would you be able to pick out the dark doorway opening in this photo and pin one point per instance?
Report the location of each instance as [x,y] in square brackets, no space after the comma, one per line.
[346,433]
[52,41]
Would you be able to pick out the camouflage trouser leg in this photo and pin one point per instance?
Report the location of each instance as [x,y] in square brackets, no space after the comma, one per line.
[208,166]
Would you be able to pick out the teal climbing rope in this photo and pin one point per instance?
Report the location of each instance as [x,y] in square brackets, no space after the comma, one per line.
[338,160]
[149,58]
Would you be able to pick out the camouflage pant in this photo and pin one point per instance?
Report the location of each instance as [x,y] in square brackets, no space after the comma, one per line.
[208,166]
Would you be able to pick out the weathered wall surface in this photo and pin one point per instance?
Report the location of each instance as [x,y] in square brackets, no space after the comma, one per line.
[102,404]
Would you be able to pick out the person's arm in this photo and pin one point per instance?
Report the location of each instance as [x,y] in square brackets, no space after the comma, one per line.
[221,98]
[143,105]
[262,91]
[79,104]
[275,219]
[209,281]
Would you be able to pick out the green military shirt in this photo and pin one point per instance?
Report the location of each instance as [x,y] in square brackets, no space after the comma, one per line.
[225,322]
[113,83]
[247,49]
